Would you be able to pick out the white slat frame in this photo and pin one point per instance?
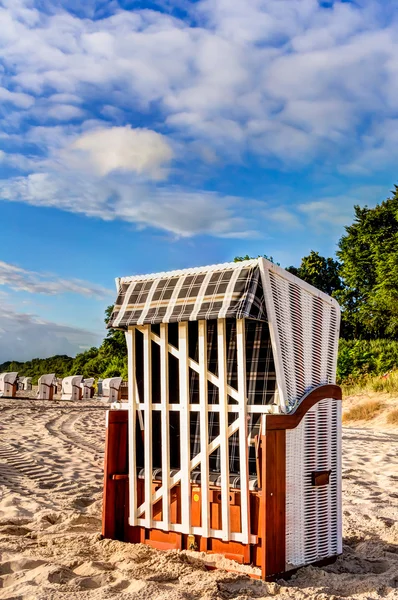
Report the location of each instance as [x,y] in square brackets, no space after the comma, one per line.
[194,365]
[193,464]
[224,449]
[204,426]
[185,446]
[132,415]
[243,450]
[148,424]
[184,408]
[165,429]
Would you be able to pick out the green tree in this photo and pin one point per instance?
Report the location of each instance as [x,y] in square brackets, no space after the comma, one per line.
[368,253]
[247,257]
[323,273]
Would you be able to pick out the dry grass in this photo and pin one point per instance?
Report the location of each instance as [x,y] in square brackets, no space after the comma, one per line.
[364,412]
[380,383]
[388,383]
[392,417]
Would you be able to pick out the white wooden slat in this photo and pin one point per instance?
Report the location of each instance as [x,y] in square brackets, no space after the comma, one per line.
[243,452]
[132,404]
[165,442]
[194,365]
[194,463]
[204,435]
[224,450]
[148,425]
[184,427]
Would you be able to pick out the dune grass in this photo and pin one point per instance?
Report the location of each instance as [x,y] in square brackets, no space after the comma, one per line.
[363,412]
[387,383]
[392,417]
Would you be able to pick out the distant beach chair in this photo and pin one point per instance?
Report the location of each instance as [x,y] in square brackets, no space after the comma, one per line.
[71,387]
[232,440]
[25,384]
[111,388]
[8,385]
[99,387]
[46,387]
[87,386]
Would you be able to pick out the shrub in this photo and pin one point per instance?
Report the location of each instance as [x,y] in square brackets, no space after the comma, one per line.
[358,359]
[363,412]
[392,417]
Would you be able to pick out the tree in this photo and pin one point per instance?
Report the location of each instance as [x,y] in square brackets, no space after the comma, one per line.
[115,342]
[321,272]
[369,268]
[247,257]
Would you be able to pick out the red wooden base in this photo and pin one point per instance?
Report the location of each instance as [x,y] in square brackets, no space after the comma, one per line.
[267,506]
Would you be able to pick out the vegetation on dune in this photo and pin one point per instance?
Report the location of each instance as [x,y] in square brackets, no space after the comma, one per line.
[392,417]
[363,412]
[364,280]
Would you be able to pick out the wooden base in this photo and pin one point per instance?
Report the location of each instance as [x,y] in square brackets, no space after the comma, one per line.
[267,506]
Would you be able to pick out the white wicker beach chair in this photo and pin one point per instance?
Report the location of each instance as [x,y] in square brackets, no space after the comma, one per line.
[232,440]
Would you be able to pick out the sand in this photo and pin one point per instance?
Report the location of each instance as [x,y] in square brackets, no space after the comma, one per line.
[51,456]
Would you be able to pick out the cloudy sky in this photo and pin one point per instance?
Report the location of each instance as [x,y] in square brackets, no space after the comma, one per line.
[142,136]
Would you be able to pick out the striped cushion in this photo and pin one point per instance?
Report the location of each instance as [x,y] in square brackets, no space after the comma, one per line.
[214,478]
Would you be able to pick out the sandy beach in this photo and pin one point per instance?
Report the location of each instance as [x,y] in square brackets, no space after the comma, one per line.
[51,459]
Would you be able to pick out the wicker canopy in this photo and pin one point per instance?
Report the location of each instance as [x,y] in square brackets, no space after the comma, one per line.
[214,292]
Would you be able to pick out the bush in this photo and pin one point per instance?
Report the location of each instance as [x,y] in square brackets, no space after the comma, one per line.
[392,417]
[363,412]
[357,359]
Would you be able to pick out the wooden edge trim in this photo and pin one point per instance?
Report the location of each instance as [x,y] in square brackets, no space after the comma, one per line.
[291,420]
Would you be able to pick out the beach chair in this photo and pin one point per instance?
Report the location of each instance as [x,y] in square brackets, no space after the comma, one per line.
[27,384]
[87,386]
[24,384]
[8,385]
[232,440]
[46,387]
[111,389]
[71,387]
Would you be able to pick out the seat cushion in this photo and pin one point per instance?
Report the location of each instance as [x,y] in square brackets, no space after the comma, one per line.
[214,478]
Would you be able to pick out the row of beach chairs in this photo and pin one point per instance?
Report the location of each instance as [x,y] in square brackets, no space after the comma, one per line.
[73,387]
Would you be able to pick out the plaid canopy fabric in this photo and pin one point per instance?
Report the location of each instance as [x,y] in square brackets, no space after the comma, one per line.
[221,291]
[260,389]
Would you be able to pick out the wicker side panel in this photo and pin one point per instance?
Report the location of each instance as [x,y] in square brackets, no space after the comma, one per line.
[313,513]
[306,330]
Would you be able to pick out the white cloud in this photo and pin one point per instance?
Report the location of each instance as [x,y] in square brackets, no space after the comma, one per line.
[327,213]
[283,217]
[20,279]
[123,148]
[313,73]
[291,82]
[24,336]
[64,112]
[23,101]
[173,209]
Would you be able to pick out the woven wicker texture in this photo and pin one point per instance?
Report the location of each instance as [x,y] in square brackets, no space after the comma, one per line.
[313,513]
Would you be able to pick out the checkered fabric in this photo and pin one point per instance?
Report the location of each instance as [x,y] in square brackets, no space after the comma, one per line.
[260,386]
[221,291]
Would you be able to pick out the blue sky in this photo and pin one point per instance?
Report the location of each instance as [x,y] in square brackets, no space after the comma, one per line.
[143,136]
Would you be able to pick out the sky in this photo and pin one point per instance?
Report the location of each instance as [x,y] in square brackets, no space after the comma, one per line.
[140,136]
